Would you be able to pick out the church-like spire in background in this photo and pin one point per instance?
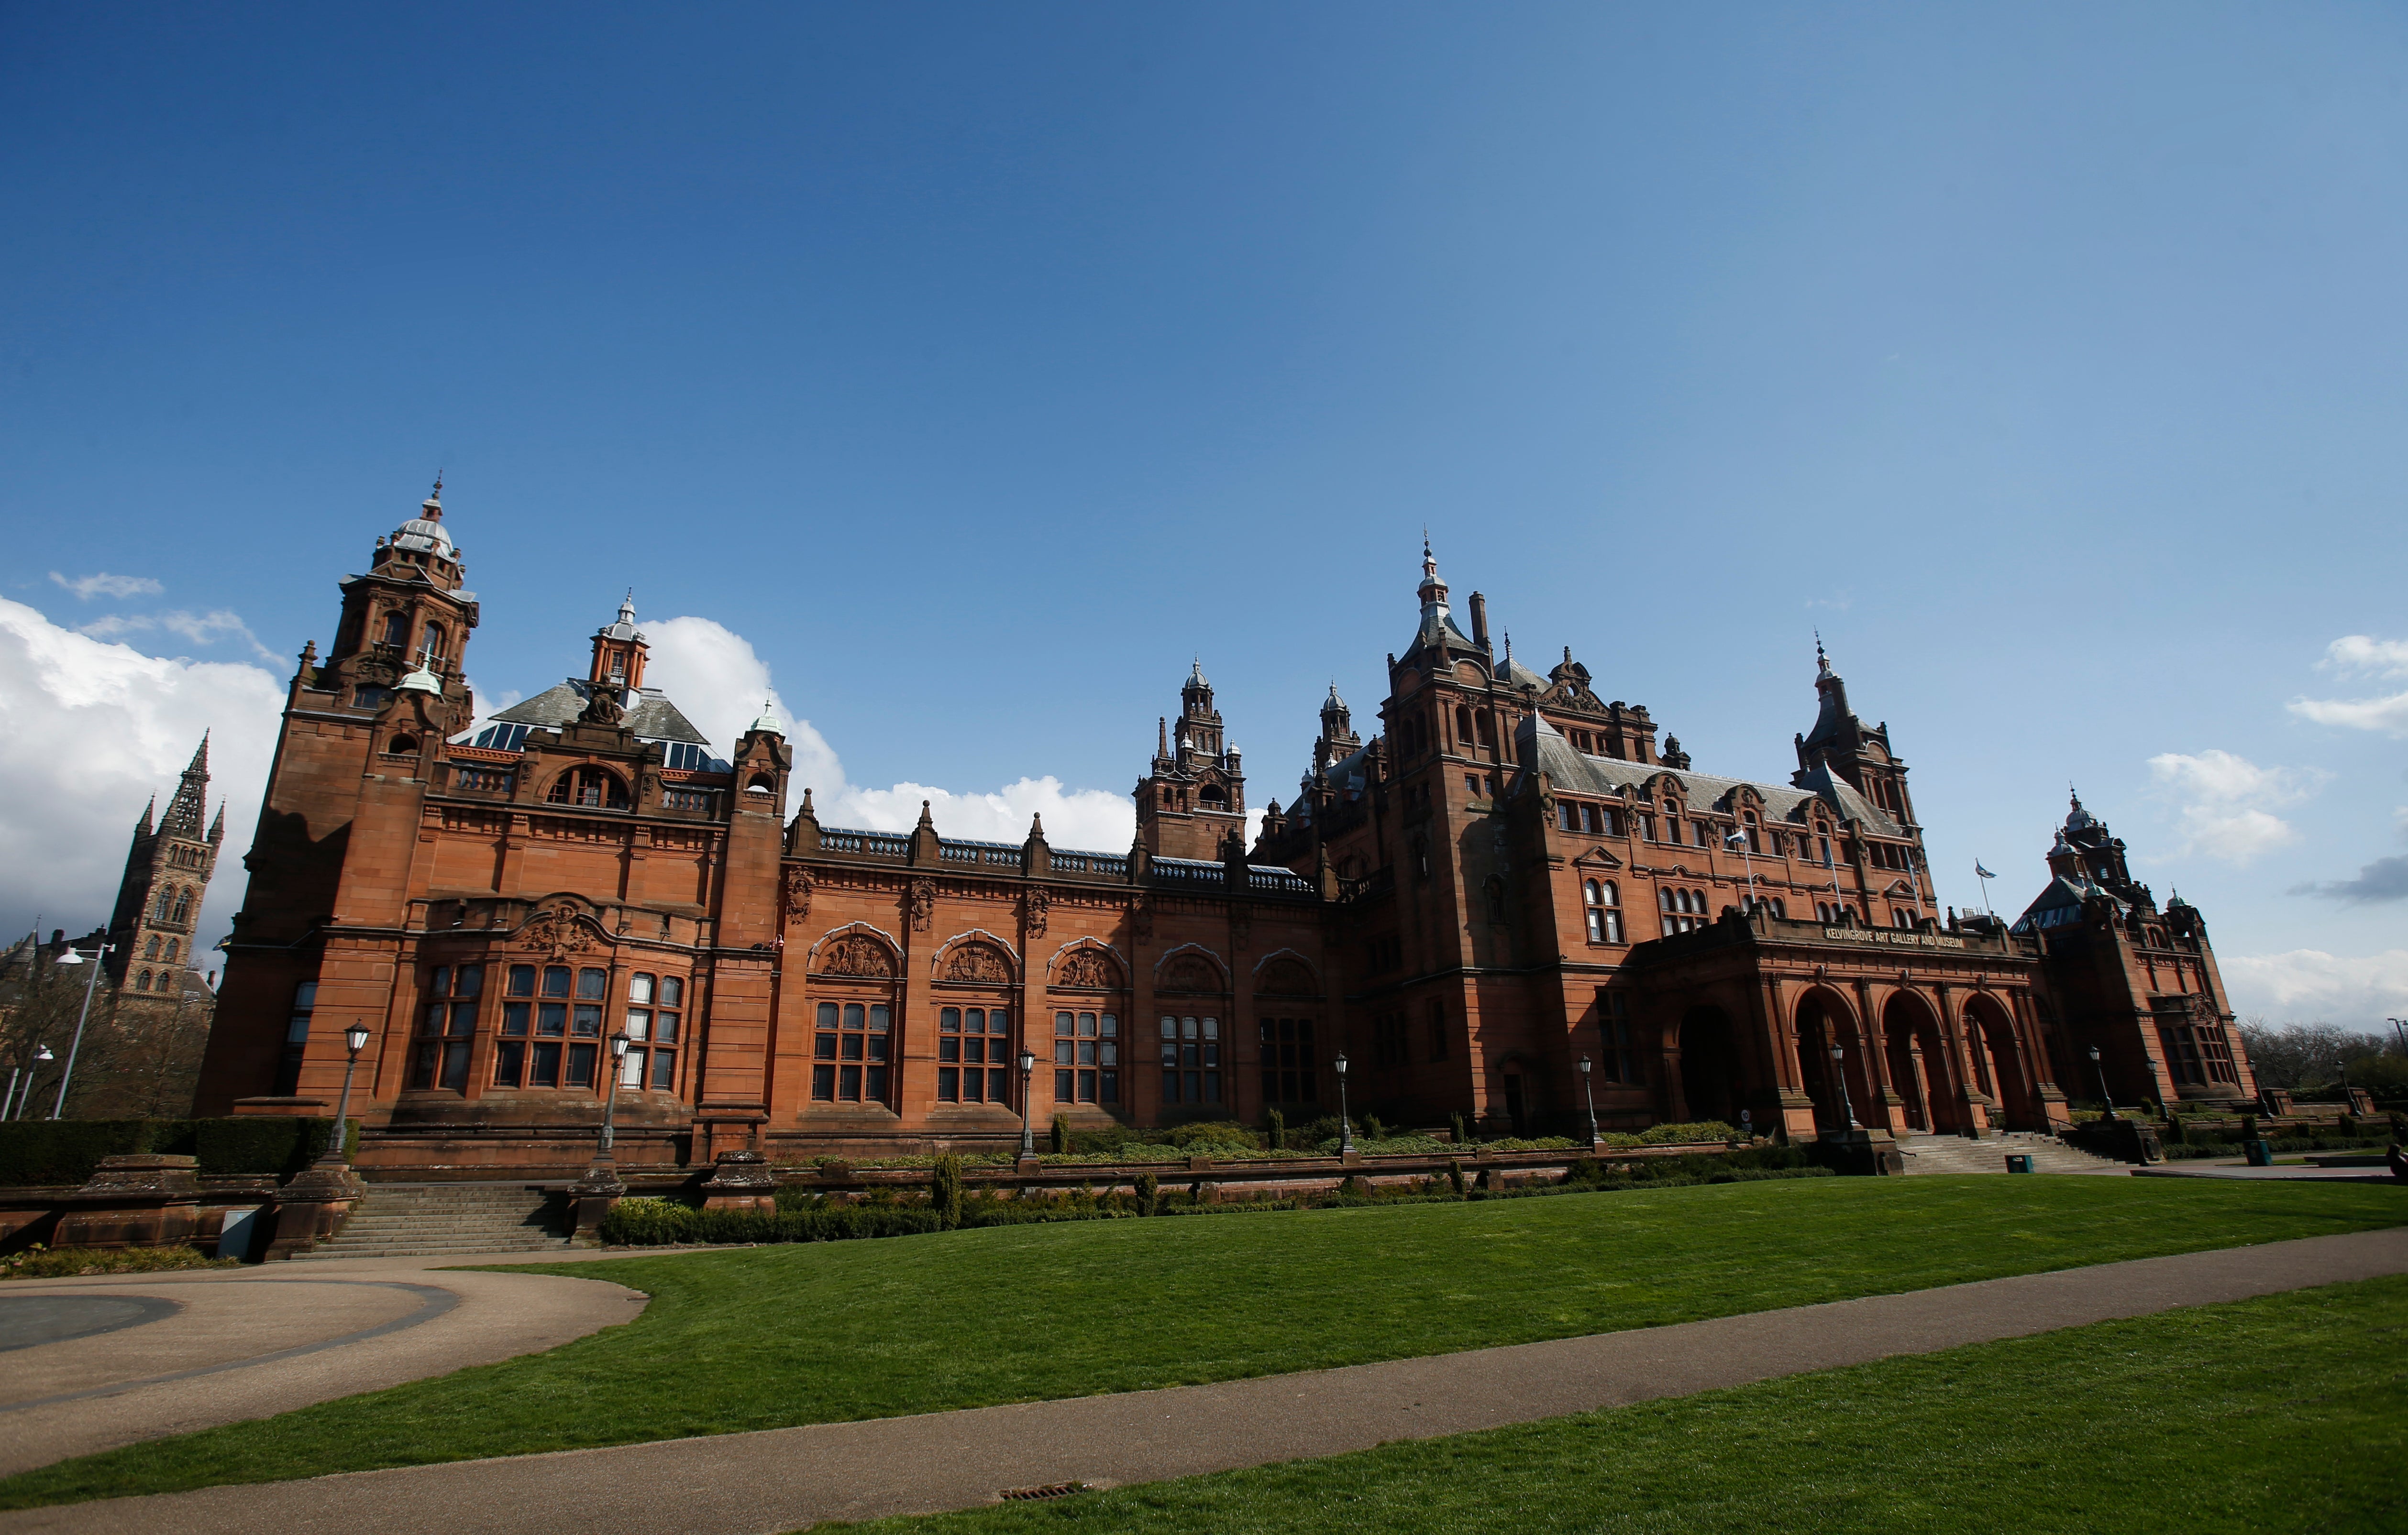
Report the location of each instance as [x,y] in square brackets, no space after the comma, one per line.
[185,811]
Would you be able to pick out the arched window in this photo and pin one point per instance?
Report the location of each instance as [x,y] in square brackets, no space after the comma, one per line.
[592,787]
[762,784]
[402,746]
[1754,838]
[172,945]
[1604,919]
[166,903]
[1495,890]
[143,984]
[1463,736]
[1214,797]
[1899,918]
[151,950]
[184,904]
[1664,897]
[397,628]
[1166,796]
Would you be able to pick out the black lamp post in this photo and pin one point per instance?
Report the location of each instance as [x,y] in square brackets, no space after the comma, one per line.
[1589,1099]
[2104,1096]
[1027,1127]
[618,1044]
[1840,1074]
[1345,1126]
[355,1039]
[90,981]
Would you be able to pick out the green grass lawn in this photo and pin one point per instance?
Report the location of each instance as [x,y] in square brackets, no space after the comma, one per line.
[2287,1412]
[824,1332]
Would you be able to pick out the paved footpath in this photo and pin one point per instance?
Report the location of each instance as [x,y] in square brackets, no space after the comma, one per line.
[786,1479]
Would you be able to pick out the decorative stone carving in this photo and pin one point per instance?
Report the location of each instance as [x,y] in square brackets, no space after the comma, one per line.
[1034,907]
[1285,977]
[602,708]
[1241,932]
[557,931]
[978,962]
[857,956]
[1087,968]
[924,903]
[798,894]
[1190,973]
[1141,918]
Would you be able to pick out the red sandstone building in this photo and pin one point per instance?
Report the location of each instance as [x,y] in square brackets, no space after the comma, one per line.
[1511,876]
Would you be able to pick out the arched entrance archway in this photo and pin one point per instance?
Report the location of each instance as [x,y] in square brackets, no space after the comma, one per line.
[1709,1065]
[1824,1020]
[1998,1064]
[1918,1066]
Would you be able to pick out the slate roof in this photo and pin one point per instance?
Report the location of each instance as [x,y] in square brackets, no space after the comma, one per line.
[1579,773]
[650,714]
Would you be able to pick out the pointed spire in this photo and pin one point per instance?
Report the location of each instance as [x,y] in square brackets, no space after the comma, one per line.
[627,607]
[1196,674]
[1161,735]
[200,762]
[142,826]
[1822,661]
[217,827]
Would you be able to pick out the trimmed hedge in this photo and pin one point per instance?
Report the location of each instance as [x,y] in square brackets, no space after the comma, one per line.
[47,1153]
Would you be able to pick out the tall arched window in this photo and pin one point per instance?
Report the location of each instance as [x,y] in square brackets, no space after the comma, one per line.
[434,648]
[1604,915]
[184,904]
[397,628]
[173,945]
[166,903]
[151,950]
[1754,838]
[1463,736]
[144,983]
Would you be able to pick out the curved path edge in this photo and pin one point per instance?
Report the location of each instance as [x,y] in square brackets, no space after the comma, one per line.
[786,1479]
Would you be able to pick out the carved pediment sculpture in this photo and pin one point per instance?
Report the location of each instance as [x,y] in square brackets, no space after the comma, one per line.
[1035,905]
[924,903]
[857,956]
[798,894]
[1285,977]
[1190,973]
[1089,967]
[556,931]
[978,962]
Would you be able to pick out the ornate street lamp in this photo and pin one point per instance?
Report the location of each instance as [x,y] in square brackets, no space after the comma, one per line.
[2104,1096]
[72,958]
[1840,1074]
[1345,1125]
[336,1158]
[1027,1130]
[1590,1098]
[618,1044]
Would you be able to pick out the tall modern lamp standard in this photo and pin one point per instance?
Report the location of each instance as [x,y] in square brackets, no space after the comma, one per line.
[1840,1074]
[1345,1125]
[72,958]
[2104,1096]
[1590,1098]
[1027,1130]
[42,1057]
[336,1156]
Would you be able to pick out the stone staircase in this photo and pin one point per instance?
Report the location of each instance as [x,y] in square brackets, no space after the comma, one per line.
[439,1221]
[1955,1154]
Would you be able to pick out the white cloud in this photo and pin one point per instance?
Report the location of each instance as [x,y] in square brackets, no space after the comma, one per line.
[2224,802]
[201,629]
[2309,985]
[89,731]
[103,584]
[718,680]
[2366,655]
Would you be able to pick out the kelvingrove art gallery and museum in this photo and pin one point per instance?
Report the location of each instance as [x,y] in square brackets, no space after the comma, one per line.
[1503,879]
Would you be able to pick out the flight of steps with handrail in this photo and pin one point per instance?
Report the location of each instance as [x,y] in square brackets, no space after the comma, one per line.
[1955,1154]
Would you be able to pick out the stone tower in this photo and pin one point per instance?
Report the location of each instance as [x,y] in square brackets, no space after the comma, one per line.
[168,873]
[1195,800]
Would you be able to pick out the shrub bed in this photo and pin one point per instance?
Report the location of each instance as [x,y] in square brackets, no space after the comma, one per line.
[805,1215]
[40,1263]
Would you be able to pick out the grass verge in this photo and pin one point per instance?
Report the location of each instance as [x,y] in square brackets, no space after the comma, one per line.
[824,1332]
[2286,1413]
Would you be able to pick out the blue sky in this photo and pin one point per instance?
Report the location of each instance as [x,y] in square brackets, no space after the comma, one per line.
[972,368]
